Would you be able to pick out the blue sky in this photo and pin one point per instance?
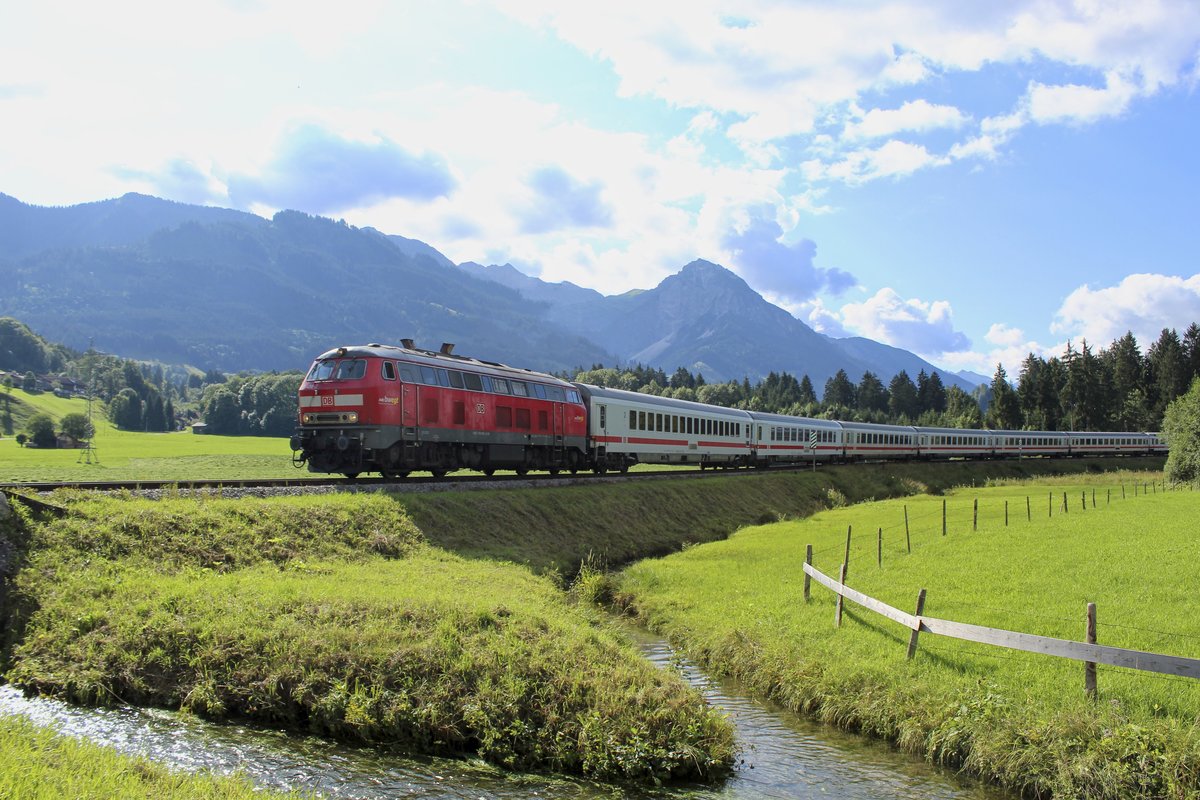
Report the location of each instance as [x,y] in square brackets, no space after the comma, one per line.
[970,181]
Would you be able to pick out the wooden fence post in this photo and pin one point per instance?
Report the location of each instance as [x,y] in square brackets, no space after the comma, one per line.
[907,538]
[837,612]
[1050,505]
[846,560]
[1028,510]
[1093,497]
[1006,513]
[912,639]
[943,518]
[975,516]
[807,577]
[879,547]
[1108,502]
[1089,667]
[1083,506]
[1122,491]
[1065,509]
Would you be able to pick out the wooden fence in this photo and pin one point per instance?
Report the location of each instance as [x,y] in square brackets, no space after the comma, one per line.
[1089,652]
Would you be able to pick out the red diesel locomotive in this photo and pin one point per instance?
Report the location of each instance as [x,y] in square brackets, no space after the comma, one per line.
[393,410]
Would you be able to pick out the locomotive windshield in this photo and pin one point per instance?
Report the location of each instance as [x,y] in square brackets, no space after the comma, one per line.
[332,369]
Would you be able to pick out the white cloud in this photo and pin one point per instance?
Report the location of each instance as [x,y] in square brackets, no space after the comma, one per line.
[890,160]
[1143,303]
[787,69]
[1079,104]
[915,115]
[925,328]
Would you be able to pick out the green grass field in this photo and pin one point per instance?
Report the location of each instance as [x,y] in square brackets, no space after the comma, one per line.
[1017,717]
[130,455]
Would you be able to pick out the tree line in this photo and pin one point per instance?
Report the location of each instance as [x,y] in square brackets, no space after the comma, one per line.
[1115,389]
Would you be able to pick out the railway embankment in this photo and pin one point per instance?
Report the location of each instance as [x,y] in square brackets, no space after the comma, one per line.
[444,622]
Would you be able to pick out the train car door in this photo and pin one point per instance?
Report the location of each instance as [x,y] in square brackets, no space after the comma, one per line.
[558,425]
[408,405]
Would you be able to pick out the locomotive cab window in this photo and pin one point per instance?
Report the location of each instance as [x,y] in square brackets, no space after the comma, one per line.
[351,370]
[322,370]
[389,371]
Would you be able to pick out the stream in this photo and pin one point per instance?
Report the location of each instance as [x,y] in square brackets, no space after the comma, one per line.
[783,756]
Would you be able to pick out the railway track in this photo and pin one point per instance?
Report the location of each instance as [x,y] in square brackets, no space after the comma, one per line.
[234,488]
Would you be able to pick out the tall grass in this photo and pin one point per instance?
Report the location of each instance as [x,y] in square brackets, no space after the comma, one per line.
[332,615]
[1019,718]
[39,764]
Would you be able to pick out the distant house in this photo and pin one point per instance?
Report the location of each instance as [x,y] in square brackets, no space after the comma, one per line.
[65,442]
[200,427]
[69,385]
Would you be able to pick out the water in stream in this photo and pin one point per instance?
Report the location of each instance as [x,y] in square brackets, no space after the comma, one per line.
[784,756]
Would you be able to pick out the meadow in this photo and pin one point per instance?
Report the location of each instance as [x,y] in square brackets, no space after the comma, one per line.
[133,455]
[1018,718]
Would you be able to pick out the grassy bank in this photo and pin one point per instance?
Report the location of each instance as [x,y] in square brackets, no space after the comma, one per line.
[1018,718]
[615,524]
[41,765]
[332,615]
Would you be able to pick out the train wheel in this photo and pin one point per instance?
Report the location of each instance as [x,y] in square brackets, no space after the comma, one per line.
[489,472]
[553,470]
[438,473]
[522,471]
[351,475]
[624,467]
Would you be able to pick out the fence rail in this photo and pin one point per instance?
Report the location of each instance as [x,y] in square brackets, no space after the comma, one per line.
[1063,648]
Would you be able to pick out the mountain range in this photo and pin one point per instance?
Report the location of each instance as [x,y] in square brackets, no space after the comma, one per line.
[157,280]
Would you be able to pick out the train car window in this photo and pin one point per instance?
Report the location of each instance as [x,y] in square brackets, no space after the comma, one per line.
[500,386]
[519,389]
[674,424]
[543,421]
[641,426]
[456,380]
[632,420]
[389,370]
[407,375]
[429,376]
[658,422]
[443,377]
[540,391]
[351,369]
[523,418]
[503,417]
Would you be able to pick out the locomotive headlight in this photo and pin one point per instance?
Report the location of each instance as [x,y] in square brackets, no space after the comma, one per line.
[352,417]
[307,419]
